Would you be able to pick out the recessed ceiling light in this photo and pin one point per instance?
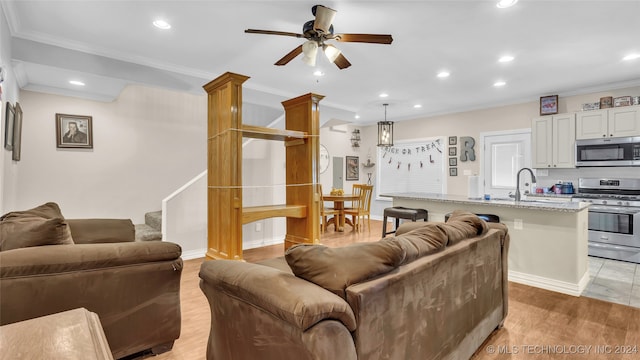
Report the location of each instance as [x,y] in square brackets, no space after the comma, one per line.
[506,58]
[318,73]
[357,116]
[384,95]
[443,74]
[499,83]
[161,24]
[502,4]
[76,82]
[417,106]
[631,57]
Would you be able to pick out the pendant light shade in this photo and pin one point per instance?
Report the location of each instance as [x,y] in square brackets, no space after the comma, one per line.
[309,50]
[385,130]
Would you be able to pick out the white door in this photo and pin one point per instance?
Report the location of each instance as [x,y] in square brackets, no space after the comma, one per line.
[504,154]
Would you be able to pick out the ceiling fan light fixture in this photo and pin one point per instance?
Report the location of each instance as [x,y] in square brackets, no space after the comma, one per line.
[310,51]
[331,52]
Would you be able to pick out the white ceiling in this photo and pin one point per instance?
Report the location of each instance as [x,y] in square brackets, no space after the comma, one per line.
[560,47]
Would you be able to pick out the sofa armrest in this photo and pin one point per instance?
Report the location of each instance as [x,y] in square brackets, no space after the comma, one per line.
[285,296]
[92,231]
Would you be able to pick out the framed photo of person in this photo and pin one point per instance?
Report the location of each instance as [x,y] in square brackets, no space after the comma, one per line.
[74,131]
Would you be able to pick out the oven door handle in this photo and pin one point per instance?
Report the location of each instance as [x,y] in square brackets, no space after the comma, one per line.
[614,209]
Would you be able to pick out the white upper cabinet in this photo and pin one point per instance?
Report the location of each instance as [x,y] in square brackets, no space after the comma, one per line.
[614,122]
[553,141]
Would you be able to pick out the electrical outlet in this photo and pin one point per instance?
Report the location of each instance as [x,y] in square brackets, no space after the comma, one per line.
[517,224]
[466,172]
[258,227]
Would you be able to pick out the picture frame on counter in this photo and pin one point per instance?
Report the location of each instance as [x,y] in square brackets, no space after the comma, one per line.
[453,171]
[549,105]
[606,102]
[622,101]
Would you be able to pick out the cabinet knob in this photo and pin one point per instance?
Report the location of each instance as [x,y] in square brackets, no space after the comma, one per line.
[554,165]
[611,135]
[548,165]
[604,135]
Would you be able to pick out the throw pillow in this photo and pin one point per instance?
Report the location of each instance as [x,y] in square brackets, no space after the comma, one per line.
[335,269]
[33,231]
[49,210]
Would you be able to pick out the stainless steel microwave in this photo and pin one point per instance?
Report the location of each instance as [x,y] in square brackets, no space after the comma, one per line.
[624,151]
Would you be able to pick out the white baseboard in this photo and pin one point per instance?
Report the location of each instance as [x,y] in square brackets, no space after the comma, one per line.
[550,284]
[262,242]
[194,254]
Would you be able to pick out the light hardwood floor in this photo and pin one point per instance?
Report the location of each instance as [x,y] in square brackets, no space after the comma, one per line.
[539,321]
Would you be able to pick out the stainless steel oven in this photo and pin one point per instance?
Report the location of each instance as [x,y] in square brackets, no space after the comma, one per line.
[614,217]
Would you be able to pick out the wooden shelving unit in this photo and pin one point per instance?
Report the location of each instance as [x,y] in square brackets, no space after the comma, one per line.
[226,214]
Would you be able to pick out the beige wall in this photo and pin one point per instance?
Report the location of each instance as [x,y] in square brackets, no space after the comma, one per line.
[146,144]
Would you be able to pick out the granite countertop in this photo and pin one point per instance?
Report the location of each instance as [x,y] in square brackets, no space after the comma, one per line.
[530,203]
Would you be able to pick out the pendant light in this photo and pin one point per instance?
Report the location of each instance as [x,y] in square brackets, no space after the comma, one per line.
[385,130]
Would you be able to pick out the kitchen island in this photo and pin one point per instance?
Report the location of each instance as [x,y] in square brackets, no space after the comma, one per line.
[548,246]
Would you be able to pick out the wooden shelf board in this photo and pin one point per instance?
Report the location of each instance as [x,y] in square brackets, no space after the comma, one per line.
[254,213]
[259,132]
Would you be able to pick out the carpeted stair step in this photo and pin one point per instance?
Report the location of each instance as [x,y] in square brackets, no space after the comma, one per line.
[151,230]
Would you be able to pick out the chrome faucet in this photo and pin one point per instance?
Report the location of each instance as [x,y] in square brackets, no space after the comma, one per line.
[533,180]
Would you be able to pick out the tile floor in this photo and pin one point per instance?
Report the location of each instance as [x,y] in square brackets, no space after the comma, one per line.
[614,281]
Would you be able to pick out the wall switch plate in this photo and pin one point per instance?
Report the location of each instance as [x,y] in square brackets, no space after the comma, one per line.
[466,172]
[258,227]
[517,224]
[542,172]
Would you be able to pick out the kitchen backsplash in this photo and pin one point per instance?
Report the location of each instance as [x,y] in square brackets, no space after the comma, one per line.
[593,172]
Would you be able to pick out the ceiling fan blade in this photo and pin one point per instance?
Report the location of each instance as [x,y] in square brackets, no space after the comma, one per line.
[271,32]
[290,56]
[365,38]
[324,18]
[342,62]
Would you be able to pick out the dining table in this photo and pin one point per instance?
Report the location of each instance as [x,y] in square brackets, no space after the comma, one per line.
[338,204]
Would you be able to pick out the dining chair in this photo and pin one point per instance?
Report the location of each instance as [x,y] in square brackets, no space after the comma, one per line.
[327,211]
[362,206]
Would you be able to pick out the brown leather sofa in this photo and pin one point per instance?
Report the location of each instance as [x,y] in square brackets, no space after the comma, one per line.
[134,287]
[436,292]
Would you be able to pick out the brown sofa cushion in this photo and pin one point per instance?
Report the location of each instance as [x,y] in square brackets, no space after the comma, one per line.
[424,240]
[49,210]
[97,231]
[19,232]
[463,224]
[335,269]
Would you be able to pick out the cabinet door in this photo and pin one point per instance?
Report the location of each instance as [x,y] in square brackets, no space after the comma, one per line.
[542,144]
[591,124]
[624,121]
[564,141]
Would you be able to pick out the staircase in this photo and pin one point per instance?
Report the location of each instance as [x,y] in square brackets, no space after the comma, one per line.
[151,230]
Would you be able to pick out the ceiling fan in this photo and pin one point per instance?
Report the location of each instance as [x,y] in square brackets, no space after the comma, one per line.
[317,32]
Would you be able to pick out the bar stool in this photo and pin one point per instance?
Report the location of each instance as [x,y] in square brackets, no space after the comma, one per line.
[399,212]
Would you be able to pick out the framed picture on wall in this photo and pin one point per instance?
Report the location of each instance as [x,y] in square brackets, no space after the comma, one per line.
[8,126]
[74,131]
[453,161]
[453,151]
[352,168]
[549,105]
[453,171]
[453,140]
[17,133]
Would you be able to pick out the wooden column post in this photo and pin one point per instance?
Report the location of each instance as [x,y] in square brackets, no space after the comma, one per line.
[302,114]
[225,167]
